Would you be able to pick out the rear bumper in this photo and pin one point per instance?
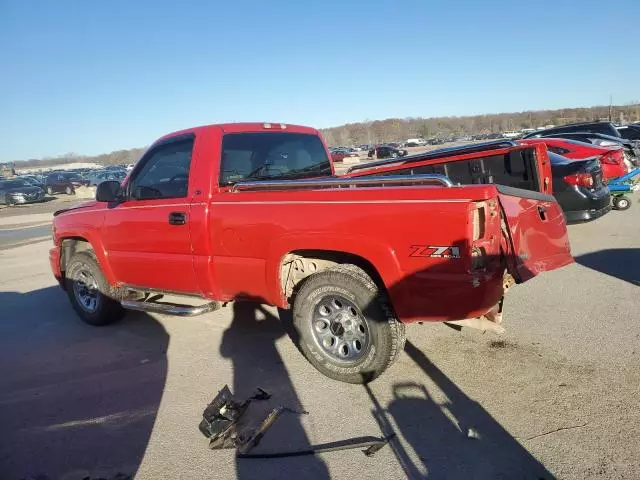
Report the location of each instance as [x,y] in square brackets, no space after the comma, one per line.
[579,216]
[54,261]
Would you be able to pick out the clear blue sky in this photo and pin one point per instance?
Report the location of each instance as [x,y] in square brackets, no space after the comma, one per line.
[94,76]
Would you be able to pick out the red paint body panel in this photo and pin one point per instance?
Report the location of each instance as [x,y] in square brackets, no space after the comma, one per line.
[233,243]
[580,150]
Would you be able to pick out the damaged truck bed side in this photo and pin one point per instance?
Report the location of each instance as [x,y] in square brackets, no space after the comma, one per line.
[253,212]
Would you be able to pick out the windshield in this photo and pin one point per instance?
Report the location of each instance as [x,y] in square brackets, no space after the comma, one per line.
[14,184]
[262,156]
[72,176]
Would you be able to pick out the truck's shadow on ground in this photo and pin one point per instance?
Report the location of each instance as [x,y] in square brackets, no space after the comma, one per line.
[451,439]
[249,343]
[75,400]
[622,263]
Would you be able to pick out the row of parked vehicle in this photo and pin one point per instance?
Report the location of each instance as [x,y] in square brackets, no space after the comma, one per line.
[591,170]
[22,189]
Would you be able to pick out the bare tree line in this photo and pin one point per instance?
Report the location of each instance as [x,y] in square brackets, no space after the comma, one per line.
[398,129]
[378,131]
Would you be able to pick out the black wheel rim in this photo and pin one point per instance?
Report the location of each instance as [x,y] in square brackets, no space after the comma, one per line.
[340,329]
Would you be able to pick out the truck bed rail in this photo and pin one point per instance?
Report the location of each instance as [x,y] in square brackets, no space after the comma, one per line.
[315,183]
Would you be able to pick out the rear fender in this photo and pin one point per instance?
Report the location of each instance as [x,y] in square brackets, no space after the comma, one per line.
[381,256]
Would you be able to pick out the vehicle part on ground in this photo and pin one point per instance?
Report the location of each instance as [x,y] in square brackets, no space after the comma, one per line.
[370,444]
[88,290]
[246,443]
[221,416]
[347,329]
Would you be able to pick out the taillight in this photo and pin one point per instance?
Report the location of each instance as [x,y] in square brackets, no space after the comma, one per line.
[612,158]
[580,179]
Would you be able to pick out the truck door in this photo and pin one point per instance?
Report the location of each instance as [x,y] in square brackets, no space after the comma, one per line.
[147,236]
[536,231]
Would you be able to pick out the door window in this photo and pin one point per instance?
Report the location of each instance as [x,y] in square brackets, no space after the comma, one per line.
[164,172]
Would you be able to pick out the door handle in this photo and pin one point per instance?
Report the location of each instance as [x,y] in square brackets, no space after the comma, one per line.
[177,218]
[542,211]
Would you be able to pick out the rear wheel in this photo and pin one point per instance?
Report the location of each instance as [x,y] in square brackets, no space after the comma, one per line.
[68,191]
[87,290]
[345,326]
[10,202]
[621,203]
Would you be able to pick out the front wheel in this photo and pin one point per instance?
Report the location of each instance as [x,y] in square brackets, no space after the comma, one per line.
[49,191]
[68,191]
[621,203]
[87,290]
[346,328]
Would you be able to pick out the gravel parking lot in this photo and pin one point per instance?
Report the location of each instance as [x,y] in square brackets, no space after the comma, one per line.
[556,396]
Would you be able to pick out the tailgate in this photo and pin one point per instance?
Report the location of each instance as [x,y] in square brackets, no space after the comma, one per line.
[536,230]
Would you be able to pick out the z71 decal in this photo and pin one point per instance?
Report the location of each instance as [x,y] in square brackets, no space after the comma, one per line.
[432,251]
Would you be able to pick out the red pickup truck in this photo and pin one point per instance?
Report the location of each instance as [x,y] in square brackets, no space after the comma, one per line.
[253,212]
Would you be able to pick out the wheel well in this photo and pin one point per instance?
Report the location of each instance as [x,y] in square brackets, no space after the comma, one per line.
[299,264]
[70,246]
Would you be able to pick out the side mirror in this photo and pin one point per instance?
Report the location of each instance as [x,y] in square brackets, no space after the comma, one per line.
[109,191]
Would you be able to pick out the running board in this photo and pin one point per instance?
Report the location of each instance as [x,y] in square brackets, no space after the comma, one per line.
[170,308]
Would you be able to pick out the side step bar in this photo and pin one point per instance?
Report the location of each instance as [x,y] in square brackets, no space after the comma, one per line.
[170,308]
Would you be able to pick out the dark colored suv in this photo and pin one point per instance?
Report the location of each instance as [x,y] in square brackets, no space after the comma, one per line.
[606,128]
[63,182]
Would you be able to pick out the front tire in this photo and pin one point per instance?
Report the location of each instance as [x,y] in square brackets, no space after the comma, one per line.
[49,191]
[345,326]
[69,191]
[88,291]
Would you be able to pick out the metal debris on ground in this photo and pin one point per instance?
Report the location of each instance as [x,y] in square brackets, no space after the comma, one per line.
[221,416]
[220,424]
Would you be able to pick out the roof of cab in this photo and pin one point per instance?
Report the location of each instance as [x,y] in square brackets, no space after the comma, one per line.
[245,127]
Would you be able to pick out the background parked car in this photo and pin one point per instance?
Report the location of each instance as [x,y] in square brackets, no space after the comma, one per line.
[630,132]
[33,181]
[611,158]
[339,154]
[18,191]
[97,177]
[606,128]
[62,182]
[386,151]
[579,188]
[631,147]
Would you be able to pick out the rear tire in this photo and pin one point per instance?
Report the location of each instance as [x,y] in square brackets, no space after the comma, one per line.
[89,291]
[69,191]
[345,326]
[621,203]
[10,203]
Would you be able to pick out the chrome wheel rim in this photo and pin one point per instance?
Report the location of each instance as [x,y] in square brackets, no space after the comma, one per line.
[339,329]
[85,289]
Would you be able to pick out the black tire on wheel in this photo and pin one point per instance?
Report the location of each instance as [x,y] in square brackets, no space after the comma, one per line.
[69,191]
[49,191]
[84,281]
[621,203]
[363,315]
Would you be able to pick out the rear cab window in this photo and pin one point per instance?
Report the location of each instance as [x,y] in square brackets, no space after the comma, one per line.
[270,156]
